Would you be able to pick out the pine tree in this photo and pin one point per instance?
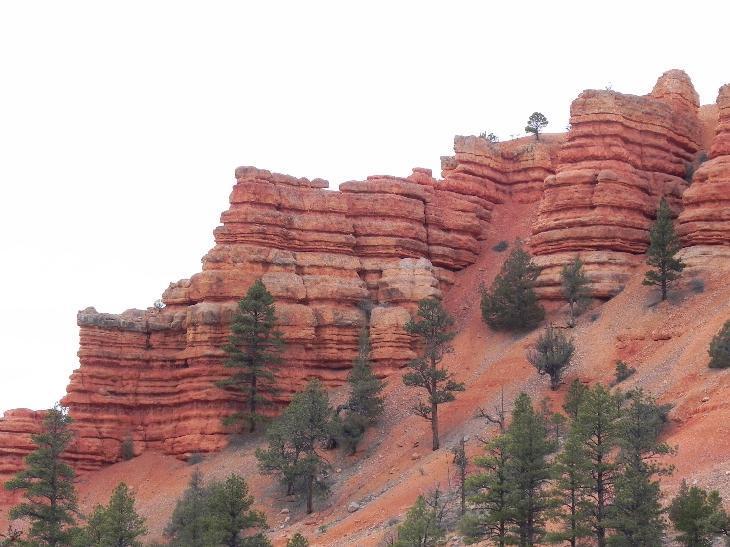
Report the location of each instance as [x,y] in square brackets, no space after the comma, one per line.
[293,442]
[424,523]
[663,245]
[698,515]
[574,398]
[720,348]
[636,515]
[575,286]
[571,490]
[188,522]
[365,404]
[461,462]
[528,472]
[535,124]
[597,424]
[117,524]
[434,329]
[490,512]
[551,353]
[511,303]
[50,497]
[254,351]
[229,514]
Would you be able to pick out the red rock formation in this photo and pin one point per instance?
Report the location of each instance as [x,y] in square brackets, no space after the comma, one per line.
[705,221]
[622,154]
[149,375]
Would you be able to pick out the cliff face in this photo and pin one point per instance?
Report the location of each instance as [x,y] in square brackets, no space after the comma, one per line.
[622,154]
[705,221]
[149,375]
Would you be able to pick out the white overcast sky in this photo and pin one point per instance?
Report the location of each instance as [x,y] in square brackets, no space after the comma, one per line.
[121,123]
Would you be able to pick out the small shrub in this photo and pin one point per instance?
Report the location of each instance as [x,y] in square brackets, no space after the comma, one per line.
[594,317]
[689,172]
[297,540]
[697,285]
[195,458]
[126,450]
[623,372]
[501,246]
[720,348]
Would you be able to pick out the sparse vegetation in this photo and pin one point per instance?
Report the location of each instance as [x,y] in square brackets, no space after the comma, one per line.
[511,302]
[253,350]
[434,329]
[697,285]
[623,372]
[551,354]
[664,244]
[720,348]
[297,540]
[491,137]
[535,124]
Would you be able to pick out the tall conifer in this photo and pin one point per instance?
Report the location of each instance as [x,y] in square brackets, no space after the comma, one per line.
[664,244]
[254,351]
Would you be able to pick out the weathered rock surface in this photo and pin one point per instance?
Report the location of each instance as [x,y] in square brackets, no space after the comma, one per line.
[705,221]
[622,155]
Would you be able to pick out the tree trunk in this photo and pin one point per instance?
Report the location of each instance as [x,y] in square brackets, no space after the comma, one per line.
[310,480]
[252,405]
[435,425]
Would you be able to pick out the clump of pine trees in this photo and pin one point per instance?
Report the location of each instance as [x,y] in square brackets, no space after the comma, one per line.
[511,303]
[598,482]
[219,513]
[294,440]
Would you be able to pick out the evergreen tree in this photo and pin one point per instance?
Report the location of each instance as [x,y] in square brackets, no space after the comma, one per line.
[528,472]
[511,303]
[551,354]
[597,424]
[575,286]
[424,524]
[365,404]
[664,243]
[574,398]
[188,522]
[535,124]
[50,497]
[434,329]
[698,515]
[117,524]
[254,351]
[720,348]
[636,515]
[229,515]
[490,512]
[461,462]
[571,490]
[292,452]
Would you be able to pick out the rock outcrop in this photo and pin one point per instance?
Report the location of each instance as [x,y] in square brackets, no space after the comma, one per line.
[623,153]
[148,376]
[704,224]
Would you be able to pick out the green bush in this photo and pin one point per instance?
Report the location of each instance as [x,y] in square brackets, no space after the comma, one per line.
[623,372]
[720,348]
[501,246]
[126,450]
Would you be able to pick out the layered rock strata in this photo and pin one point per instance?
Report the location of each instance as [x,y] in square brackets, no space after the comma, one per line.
[623,153]
[149,376]
[704,224]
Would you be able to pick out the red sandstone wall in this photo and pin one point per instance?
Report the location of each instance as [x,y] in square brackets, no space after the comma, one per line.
[622,154]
